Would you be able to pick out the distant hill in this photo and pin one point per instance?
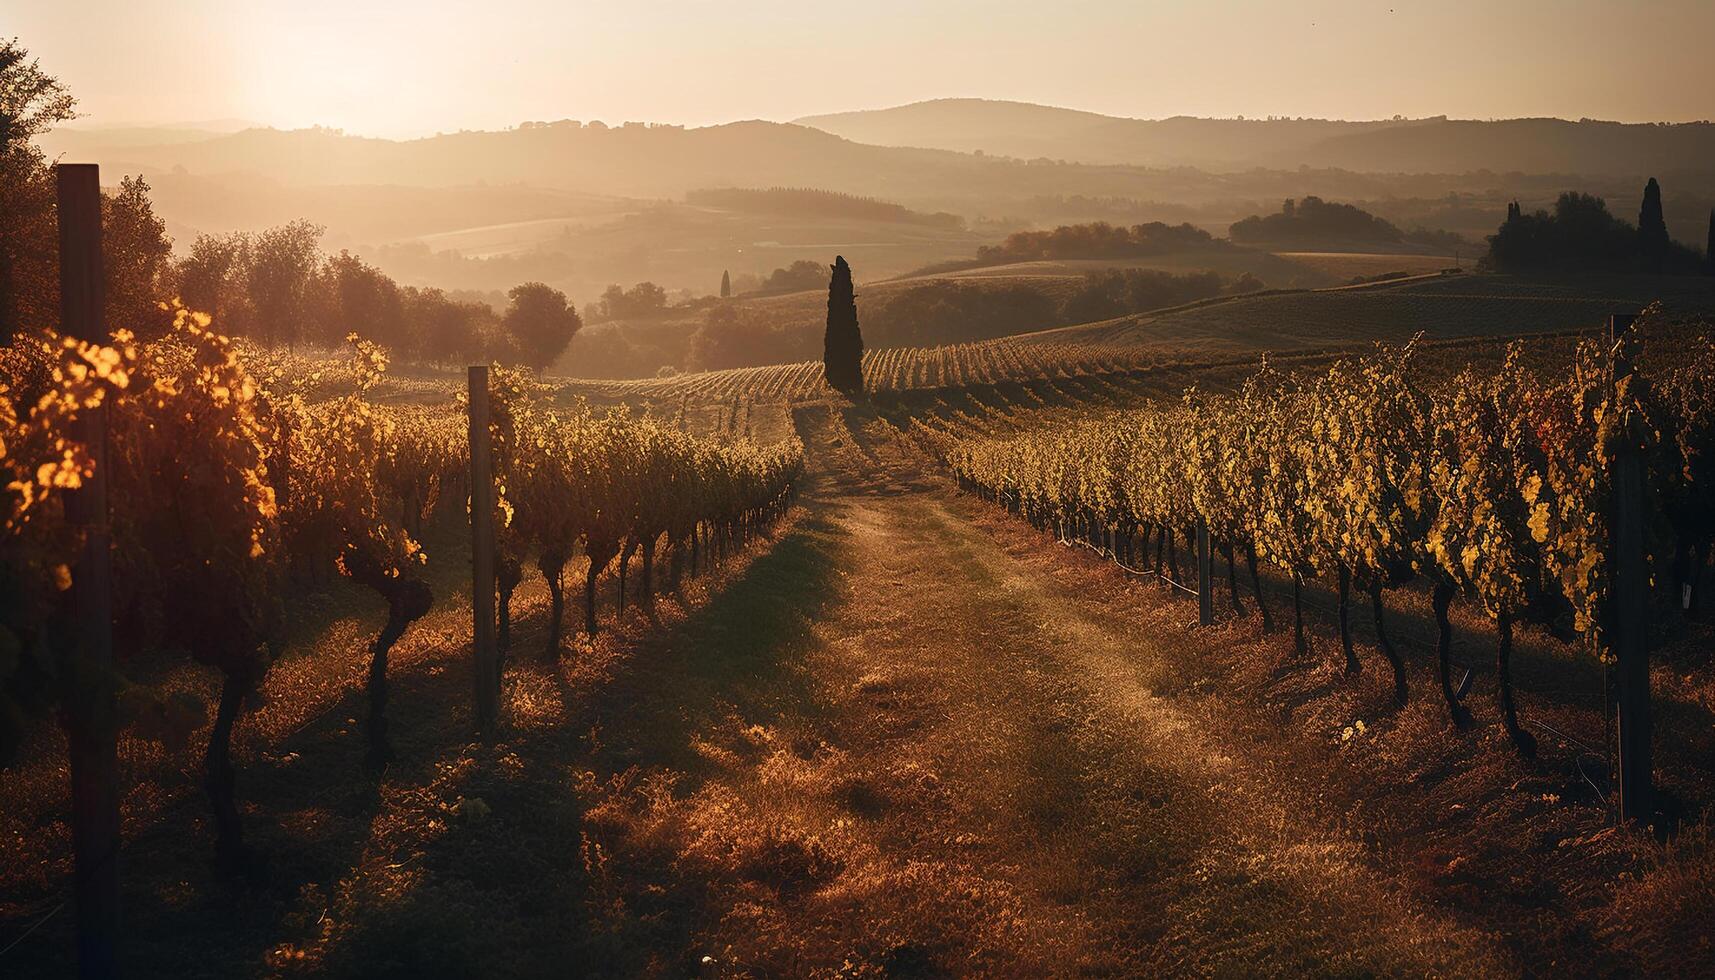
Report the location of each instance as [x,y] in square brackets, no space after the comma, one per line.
[77,140]
[1030,131]
[632,161]
[583,206]
[810,202]
[1433,145]
[657,162]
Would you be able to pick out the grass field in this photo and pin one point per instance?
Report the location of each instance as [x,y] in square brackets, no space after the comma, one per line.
[1346,266]
[1280,270]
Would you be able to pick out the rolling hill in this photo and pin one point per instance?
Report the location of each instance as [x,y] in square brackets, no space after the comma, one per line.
[376,191]
[1433,145]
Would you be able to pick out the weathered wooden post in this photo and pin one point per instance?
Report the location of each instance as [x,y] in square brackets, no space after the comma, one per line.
[482,598]
[91,722]
[1629,598]
[1205,576]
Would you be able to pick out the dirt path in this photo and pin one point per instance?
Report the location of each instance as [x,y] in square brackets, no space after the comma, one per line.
[1000,786]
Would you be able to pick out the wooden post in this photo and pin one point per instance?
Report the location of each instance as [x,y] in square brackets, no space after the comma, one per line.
[1629,598]
[1205,576]
[482,599]
[91,725]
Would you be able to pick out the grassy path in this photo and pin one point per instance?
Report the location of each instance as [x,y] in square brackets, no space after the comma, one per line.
[1001,788]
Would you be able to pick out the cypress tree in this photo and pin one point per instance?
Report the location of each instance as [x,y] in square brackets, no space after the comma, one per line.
[842,345]
[726,285]
[1652,229]
[1709,249]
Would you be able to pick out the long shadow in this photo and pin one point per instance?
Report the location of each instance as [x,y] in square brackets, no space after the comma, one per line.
[737,655]
[510,894]
[309,805]
[312,810]
[513,893]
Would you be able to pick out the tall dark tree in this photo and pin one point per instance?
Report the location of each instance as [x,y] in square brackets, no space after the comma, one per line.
[842,345]
[1709,248]
[726,285]
[1652,229]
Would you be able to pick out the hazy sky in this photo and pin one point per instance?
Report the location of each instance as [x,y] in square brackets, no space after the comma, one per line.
[401,69]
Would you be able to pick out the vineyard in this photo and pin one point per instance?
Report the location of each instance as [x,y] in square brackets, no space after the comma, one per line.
[1464,476]
[523,672]
[961,536]
[890,369]
[896,370]
[236,483]
[1493,487]
[1452,309]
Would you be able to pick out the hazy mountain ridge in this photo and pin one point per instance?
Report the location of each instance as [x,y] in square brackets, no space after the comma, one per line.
[583,206]
[1433,145]
[641,161]
[658,162]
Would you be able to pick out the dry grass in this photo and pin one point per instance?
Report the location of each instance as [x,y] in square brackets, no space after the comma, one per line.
[1343,267]
[1521,852]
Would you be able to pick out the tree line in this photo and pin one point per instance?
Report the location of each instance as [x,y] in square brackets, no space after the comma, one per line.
[275,287]
[1099,240]
[1313,221]
[816,203]
[1581,235]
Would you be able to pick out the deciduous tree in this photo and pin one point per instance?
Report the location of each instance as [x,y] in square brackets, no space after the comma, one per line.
[137,260]
[31,102]
[542,322]
[210,279]
[282,262]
